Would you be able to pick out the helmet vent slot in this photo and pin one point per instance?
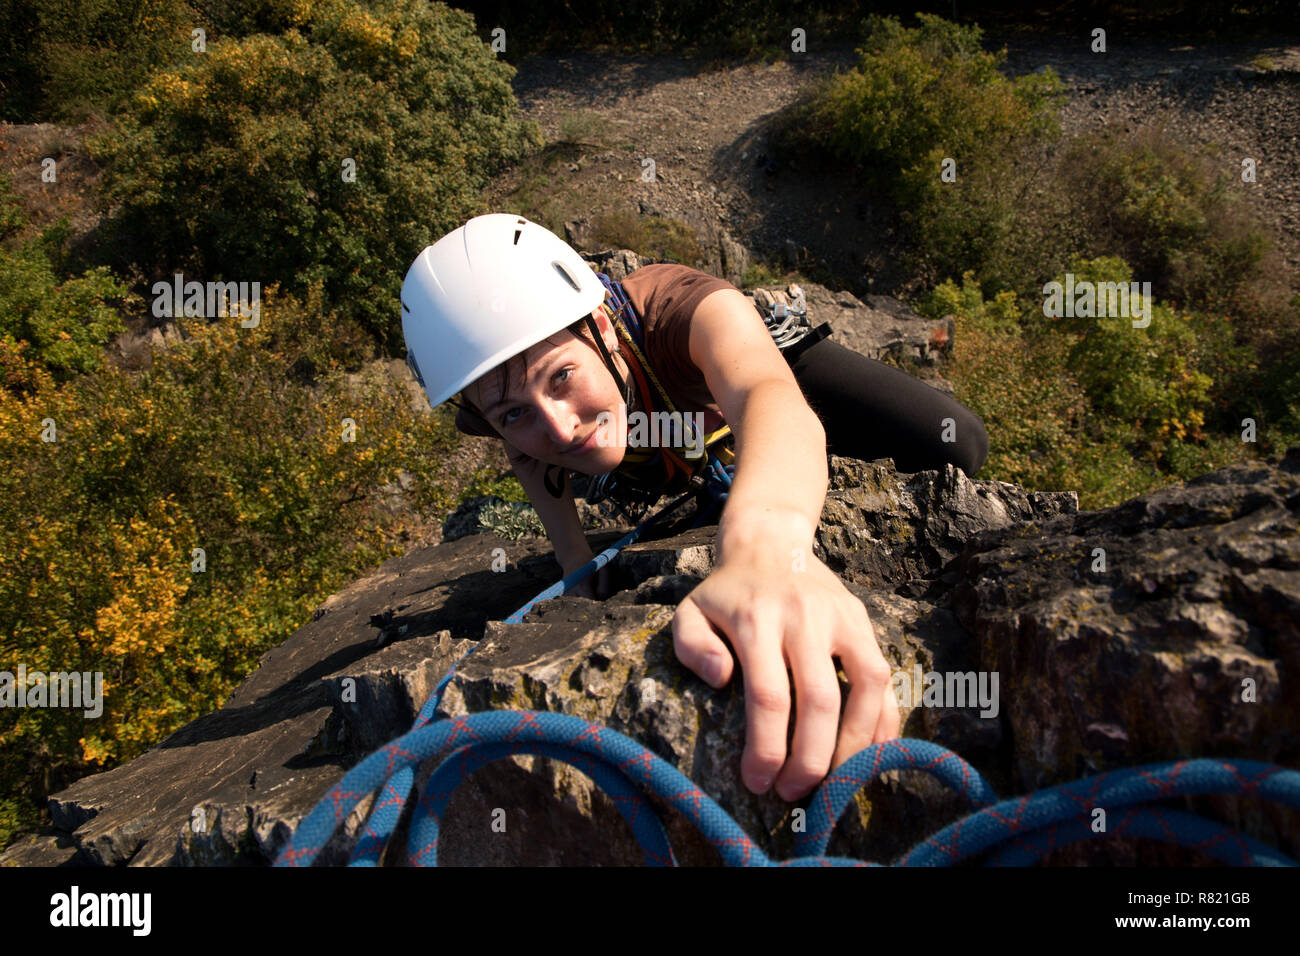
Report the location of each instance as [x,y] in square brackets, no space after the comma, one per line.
[415,369]
[559,267]
[405,307]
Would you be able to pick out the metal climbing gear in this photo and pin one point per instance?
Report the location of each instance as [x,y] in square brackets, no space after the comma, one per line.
[790,328]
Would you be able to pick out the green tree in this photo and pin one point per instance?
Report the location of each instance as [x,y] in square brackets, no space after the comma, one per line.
[329,154]
[68,59]
[219,446]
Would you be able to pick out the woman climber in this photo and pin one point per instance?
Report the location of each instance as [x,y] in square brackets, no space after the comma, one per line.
[504,318]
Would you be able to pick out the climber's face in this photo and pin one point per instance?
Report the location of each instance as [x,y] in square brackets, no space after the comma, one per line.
[548,401]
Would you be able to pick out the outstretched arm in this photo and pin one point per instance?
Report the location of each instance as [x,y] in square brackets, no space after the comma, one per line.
[775,602]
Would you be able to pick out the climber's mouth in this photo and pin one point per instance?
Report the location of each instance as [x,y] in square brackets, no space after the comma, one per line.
[586,445]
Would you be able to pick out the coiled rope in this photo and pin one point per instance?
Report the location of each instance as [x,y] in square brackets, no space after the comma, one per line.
[626,771]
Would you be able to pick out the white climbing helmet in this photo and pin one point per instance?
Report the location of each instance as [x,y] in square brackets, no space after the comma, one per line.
[485,292]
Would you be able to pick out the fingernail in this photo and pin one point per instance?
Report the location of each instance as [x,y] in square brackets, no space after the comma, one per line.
[713,671]
[762,784]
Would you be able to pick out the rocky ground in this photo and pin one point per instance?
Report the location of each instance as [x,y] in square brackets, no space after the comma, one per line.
[1167,627]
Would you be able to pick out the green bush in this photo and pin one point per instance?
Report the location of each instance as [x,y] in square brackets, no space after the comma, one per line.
[503,485]
[12,219]
[652,236]
[1140,376]
[66,323]
[79,57]
[232,165]
[760,274]
[1094,404]
[1169,210]
[1032,406]
[918,97]
[512,520]
[219,446]
[1173,382]
[61,325]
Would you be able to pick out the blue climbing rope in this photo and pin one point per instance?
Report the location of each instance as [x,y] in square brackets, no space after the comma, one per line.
[398,786]
[628,771]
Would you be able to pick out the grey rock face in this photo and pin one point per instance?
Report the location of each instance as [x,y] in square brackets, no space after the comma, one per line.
[735,258]
[1166,626]
[1185,642]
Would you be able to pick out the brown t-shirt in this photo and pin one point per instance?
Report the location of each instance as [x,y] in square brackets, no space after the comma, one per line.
[664,296]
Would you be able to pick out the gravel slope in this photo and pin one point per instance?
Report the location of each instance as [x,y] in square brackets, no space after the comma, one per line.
[705,132]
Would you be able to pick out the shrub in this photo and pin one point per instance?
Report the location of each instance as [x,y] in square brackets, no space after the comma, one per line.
[651,236]
[79,57]
[919,96]
[1169,210]
[760,274]
[1033,408]
[512,520]
[232,165]
[12,219]
[217,446]
[62,326]
[1154,379]
[1094,404]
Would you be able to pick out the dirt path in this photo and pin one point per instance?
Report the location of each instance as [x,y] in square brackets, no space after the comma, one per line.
[706,133]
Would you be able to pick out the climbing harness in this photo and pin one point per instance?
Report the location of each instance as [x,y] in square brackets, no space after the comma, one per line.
[1013,832]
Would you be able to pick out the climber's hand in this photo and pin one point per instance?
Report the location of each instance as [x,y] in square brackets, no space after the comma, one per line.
[594,586]
[776,616]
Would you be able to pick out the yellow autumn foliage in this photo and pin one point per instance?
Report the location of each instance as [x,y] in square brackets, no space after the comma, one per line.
[219,446]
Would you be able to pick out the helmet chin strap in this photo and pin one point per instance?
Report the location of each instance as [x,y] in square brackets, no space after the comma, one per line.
[609,360]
